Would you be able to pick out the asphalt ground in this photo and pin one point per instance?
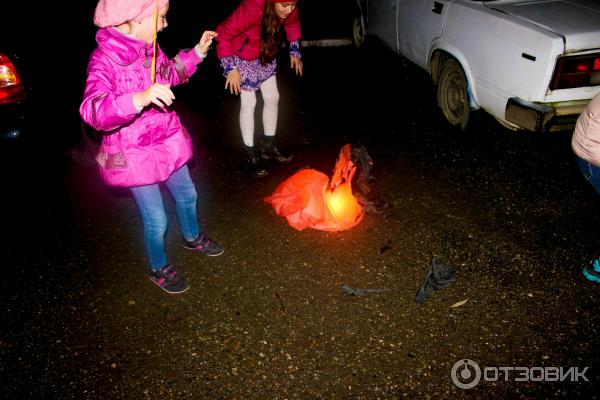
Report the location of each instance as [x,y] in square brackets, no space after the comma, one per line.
[267,319]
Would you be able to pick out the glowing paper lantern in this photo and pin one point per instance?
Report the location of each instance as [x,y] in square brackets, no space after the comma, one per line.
[342,205]
[308,199]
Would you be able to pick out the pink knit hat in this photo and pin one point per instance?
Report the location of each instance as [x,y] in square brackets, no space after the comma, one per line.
[117,12]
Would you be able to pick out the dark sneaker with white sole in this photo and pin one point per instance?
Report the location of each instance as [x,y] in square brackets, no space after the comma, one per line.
[205,245]
[168,279]
[273,153]
[592,271]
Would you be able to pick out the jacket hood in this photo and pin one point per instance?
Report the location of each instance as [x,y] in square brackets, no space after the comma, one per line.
[120,48]
[261,4]
[577,21]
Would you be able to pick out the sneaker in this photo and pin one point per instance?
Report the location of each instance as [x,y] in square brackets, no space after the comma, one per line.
[273,153]
[203,244]
[592,271]
[255,168]
[168,279]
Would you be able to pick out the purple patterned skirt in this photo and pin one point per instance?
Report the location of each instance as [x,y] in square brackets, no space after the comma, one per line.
[253,73]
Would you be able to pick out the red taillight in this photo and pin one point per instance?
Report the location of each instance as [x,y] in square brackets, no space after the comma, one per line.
[11,87]
[576,71]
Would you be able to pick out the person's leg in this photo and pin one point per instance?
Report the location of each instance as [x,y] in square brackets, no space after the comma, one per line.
[591,173]
[154,217]
[270,96]
[248,104]
[150,203]
[184,193]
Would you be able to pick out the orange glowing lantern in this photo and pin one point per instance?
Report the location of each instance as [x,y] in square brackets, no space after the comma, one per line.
[308,199]
[342,204]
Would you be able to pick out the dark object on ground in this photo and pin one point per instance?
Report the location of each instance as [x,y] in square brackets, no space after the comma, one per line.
[364,164]
[371,204]
[438,277]
[350,291]
[387,246]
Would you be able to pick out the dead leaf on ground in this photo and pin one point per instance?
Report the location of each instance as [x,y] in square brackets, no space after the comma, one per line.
[460,303]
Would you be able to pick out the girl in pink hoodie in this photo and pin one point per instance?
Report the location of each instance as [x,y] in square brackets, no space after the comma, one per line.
[249,40]
[127,94]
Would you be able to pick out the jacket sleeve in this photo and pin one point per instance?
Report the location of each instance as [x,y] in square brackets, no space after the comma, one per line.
[292,28]
[103,108]
[246,15]
[184,64]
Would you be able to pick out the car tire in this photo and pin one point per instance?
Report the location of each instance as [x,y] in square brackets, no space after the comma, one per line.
[453,94]
[358,32]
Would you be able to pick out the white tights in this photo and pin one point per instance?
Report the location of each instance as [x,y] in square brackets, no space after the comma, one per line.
[270,96]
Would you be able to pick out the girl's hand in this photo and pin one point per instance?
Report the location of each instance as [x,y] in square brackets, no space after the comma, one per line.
[234,82]
[296,63]
[159,94]
[206,40]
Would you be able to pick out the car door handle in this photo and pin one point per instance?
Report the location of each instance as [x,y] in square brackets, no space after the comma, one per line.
[437,7]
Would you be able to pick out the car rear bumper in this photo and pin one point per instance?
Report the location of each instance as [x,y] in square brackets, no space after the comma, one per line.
[543,117]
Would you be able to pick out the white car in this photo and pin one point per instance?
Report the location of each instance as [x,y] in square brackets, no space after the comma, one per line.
[532,64]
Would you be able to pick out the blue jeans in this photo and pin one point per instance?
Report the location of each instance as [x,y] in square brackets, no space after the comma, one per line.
[590,172]
[150,203]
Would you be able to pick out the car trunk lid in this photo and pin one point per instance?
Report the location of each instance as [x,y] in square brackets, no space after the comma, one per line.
[577,21]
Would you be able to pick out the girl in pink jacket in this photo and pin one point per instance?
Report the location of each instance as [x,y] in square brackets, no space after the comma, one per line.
[248,42]
[126,97]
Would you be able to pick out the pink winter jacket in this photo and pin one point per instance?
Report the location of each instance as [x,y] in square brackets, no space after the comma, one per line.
[239,34]
[139,147]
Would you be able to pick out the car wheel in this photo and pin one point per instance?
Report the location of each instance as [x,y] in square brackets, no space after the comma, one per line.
[453,95]
[358,32]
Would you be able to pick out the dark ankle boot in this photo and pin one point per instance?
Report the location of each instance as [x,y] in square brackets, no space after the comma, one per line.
[253,164]
[256,170]
[270,151]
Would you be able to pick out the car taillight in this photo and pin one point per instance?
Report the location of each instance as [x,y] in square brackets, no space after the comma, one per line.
[11,87]
[576,71]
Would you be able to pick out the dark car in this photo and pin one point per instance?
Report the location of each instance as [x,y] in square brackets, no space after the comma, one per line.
[39,119]
[14,95]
